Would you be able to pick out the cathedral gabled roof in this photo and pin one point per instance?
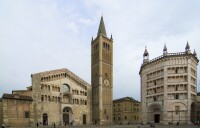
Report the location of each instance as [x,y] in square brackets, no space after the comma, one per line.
[60,71]
[102,29]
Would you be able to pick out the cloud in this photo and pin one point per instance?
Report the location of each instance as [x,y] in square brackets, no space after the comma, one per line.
[44,35]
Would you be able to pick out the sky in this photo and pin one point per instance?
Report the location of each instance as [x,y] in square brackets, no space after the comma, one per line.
[43,35]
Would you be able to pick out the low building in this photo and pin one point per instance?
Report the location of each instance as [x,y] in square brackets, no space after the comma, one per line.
[16,110]
[126,111]
[195,109]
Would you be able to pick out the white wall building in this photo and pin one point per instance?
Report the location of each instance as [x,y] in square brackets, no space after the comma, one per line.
[168,86]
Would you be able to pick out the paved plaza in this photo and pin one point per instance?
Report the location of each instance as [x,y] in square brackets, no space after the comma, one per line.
[119,126]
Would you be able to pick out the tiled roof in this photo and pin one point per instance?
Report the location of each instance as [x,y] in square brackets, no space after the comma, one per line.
[125,99]
[17,97]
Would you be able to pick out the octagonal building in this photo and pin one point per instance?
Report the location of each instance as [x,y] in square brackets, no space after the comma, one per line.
[168,86]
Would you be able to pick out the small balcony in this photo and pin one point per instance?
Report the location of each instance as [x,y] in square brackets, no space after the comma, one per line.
[66,94]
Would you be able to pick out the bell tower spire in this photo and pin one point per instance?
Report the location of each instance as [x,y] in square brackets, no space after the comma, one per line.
[102,29]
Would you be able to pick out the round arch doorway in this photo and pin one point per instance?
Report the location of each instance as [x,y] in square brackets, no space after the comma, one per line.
[157,114]
[154,113]
[45,119]
[67,115]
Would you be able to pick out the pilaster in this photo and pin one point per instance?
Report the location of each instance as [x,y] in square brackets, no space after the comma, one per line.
[189,91]
[100,79]
[165,98]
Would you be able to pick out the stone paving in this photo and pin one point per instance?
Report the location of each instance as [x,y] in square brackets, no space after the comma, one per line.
[119,126]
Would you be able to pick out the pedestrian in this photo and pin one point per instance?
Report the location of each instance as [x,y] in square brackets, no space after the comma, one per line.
[177,124]
[37,124]
[152,126]
[54,125]
[2,126]
[138,126]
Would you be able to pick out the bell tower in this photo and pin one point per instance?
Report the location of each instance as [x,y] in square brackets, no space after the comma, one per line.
[102,76]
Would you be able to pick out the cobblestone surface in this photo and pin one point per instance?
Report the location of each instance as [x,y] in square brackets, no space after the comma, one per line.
[118,126]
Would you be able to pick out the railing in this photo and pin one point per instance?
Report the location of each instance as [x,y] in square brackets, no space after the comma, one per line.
[168,54]
[66,93]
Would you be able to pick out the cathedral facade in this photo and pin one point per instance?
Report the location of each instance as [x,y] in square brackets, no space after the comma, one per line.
[61,97]
[57,96]
[168,86]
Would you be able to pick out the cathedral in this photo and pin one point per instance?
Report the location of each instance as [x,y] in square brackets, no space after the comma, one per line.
[61,97]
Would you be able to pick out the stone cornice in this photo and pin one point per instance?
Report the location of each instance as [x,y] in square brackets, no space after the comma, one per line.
[60,71]
[168,56]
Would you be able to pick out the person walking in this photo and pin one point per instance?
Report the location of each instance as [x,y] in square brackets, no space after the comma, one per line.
[138,126]
[177,124]
[2,126]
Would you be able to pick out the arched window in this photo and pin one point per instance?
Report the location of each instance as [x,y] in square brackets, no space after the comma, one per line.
[53,99]
[66,109]
[45,98]
[65,88]
[42,98]
[42,87]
